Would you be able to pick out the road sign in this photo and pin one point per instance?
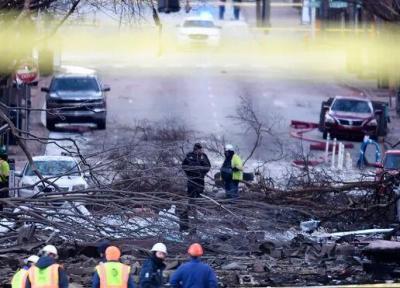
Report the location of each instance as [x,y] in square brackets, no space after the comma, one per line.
[337,4]
[315,3]
[26,73]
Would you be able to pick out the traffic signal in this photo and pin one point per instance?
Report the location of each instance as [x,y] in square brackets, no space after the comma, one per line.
[168,6]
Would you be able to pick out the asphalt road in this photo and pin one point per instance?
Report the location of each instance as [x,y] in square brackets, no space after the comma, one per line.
[201,89]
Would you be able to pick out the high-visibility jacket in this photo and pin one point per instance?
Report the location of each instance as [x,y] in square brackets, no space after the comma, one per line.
[113,275]
[4,170]
[236,162]
[19,279]
[44,278]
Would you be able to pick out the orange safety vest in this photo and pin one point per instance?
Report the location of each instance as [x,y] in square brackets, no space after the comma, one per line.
[113,275]
[44,278]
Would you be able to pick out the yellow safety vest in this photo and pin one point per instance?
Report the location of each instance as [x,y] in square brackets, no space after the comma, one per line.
[19,279]
[44,278]
[113,275]
[236,162]
[4,170]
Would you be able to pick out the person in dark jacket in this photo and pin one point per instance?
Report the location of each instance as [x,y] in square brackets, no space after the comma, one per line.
[101,249]
[196,166]
[112,271]
[151,275]
[194,274]
[45,264]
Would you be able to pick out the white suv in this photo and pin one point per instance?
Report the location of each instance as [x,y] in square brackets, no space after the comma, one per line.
[63,171]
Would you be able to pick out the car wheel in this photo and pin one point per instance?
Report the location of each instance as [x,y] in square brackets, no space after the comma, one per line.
[51,125]
[101,124]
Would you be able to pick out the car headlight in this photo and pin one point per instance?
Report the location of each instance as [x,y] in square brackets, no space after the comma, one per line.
[373,122]
[329,119]
[78,187]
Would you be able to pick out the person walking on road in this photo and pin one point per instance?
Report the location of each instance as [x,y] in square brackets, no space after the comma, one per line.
[4,175]
[232,172]
[194,273]
[113,273]
[196,166]
[46,272]
[19,278]
[151,275]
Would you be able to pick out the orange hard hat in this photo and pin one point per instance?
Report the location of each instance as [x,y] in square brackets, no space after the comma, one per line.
[113,253]
[195,250]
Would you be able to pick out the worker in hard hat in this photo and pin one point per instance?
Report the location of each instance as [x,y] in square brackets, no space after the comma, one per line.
[231,172]
[151,275]
[113,273]
[42,274]
[19,278]
[194,274]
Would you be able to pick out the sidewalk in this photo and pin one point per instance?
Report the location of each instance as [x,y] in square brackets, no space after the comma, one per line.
[36,128]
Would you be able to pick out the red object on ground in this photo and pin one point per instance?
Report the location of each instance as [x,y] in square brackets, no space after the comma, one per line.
[299,129]
[302,127]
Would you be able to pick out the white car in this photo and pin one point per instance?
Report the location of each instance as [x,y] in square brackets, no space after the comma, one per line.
[63,171]
[199,31]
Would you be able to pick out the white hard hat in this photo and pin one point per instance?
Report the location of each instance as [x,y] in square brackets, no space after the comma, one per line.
[229,147]
[49,249]
[159,247]
[33,258]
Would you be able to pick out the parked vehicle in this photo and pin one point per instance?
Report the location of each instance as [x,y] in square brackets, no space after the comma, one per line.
[63,171]
[353,116]
[75,98]
[390,165]
[387,174]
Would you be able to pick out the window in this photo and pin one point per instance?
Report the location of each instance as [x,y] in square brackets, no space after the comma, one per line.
[54,168]
[75,84]
[349,105]
[392,162]
[198,23]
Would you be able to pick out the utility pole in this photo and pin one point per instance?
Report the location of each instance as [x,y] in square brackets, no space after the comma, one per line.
[265,13]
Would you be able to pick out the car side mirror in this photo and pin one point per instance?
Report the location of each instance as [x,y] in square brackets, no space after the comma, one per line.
[106,88]
[45,89]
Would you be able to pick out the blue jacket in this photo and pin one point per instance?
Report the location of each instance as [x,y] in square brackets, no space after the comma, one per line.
[96,281]
[46,261]
[194,274]
[151,274]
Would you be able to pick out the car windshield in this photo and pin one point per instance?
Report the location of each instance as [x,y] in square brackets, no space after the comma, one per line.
[392,162]
[350,105]
[199,23]
[75,84]
[54,168]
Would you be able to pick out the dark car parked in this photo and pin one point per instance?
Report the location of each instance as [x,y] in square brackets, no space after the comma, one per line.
[353,116]
[75,99]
